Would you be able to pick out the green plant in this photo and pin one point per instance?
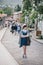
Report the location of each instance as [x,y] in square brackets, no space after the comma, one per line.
[40,9]
[1,11]
[33,14]
[22,20]
[17,8]
[41,37]
[26,4]
[23,16]
[8,10]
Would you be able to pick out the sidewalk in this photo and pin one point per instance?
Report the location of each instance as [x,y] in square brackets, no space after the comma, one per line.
[5,57]
[35,37]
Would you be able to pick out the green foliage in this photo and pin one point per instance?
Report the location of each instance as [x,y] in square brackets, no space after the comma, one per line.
[40,37]
[33,15]
[17,8]
[23,17]
[1,11]
[25,13]
[37,2]
[8,10]
[40,9]
[22,20]
[29,11]
[26,4]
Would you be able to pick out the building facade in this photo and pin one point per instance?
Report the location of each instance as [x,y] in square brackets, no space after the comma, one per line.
[17,16]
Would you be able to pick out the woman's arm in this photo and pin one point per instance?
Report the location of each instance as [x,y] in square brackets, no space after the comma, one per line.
[24,35]
[21,34]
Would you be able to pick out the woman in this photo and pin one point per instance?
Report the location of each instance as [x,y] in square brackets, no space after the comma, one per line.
[23,35]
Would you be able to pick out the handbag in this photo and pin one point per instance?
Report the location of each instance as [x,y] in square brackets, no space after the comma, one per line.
[28,40]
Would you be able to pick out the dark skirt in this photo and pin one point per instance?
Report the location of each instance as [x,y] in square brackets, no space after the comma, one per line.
[23,42]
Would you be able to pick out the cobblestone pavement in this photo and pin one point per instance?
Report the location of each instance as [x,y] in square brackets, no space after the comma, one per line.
[34,51]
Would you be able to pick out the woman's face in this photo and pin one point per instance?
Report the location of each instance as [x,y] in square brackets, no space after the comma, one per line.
[25,28]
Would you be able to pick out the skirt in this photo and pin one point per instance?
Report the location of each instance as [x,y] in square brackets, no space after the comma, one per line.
[23,42]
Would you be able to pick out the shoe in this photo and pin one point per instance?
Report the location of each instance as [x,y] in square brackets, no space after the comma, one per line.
[24,56]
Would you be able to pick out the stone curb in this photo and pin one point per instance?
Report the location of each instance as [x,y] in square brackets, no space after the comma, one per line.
[34,37]
[37,40]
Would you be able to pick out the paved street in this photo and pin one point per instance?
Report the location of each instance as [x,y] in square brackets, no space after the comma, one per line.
[34,51]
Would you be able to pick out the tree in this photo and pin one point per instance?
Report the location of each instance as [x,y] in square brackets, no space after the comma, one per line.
[23,17]
[40,9]
[17,8]
[37,2]
[29,5]
[7,10]
[1,11]
[26,4]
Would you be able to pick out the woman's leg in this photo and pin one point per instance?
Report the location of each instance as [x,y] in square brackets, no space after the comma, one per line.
[24,50]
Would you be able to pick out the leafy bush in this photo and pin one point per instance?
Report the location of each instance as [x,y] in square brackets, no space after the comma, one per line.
[23,16]
[33,15]
[40,9]
[8,10]
[22,20]
[17,8]
[1,11]
[41,37]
